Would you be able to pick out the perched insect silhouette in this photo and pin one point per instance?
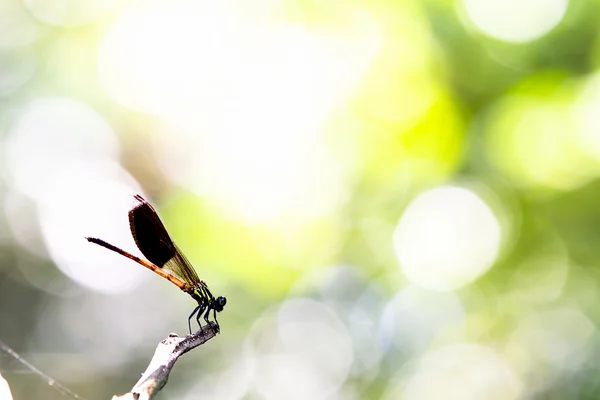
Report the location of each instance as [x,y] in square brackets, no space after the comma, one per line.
[166,260]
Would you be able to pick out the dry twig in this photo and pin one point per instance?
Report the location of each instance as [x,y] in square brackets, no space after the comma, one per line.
[167,352]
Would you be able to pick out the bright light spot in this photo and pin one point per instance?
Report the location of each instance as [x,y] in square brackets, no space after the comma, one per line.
[259,176]
[202,57]
[520,123]
[4,389]
[310,357]
[17,27]
[556,338]
[70,13]
[446,238]
[49,135]
[247,101]
[156,57]
[461,371]
[415,318]
[91,199]
[514,20]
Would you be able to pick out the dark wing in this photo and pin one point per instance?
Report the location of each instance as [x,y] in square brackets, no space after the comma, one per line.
[156,245]
[150,234]
[181,268]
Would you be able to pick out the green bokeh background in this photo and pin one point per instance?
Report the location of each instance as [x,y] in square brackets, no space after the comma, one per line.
[441,103]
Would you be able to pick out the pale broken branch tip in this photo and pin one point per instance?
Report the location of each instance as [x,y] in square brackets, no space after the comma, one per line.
[165,356]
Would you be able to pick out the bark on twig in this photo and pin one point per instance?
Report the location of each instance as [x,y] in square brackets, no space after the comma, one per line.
[165,356]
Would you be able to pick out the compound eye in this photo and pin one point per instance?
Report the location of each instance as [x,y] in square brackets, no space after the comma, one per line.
[222,301]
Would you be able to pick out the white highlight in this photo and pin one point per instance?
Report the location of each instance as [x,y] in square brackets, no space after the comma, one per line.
[446,238]
[5,390]
[515,20]
[92,199]
[63,155]
[266,176]
[160,56]
[48,136]
[246,98]
[202,57]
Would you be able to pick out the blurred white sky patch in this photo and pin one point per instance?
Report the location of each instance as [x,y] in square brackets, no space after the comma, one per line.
[63,155]
[515,20]
[305,351]
[465,371]
[200,57]
[446,238]
[261,176]
[244,100]
[5,393]
[160,54]
[70,13]
[91,199]
[46,137]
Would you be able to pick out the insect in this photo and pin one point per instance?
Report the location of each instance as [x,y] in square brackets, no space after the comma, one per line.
[166,260]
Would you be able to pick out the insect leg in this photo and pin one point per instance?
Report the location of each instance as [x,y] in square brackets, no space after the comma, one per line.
[208,308]
[191,315]
[207,315]
[201,309]
[215,316]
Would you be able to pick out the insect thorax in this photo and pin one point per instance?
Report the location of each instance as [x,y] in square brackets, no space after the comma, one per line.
[199,295]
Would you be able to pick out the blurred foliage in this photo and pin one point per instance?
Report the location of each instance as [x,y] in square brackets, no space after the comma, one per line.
[395,99]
